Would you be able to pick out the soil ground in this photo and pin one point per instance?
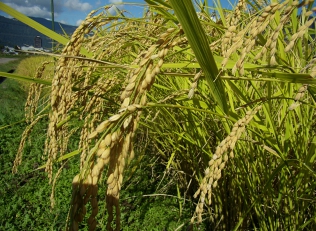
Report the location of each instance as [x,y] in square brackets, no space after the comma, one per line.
[6,60]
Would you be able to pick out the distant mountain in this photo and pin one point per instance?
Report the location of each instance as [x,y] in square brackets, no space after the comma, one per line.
[14,32]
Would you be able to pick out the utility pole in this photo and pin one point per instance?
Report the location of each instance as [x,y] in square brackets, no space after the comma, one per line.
[53,21]
[52,9]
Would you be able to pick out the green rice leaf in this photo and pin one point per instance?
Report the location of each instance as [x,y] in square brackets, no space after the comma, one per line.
[25,78]
[160,9]
[192,27]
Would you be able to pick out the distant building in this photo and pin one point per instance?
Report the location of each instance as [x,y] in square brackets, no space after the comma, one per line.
[38,42]
[29,48]
[9,50]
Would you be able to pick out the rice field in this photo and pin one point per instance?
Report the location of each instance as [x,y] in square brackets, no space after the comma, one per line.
[223,98]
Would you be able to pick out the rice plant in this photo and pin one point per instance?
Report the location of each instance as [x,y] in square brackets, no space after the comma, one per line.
[225,98]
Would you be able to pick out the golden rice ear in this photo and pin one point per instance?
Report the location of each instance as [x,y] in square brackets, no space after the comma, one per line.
[25,135]
[114,147]
[299,95]
[219,161]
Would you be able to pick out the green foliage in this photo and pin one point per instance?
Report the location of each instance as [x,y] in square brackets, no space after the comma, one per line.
[11,92]
[27,67]
[148,201]
[259,179]
[186,14]
[24,202]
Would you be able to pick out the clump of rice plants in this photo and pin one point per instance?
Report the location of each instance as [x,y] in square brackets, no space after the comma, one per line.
[238,80]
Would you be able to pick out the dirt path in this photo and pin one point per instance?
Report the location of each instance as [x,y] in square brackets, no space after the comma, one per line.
[6,60]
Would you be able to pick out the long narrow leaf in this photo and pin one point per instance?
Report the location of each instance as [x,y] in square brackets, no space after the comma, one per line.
[26,20]
[40,28]
[192,27]
[25,78]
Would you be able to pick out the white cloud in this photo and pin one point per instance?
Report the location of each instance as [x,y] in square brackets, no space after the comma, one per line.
[34,11]
[98,2]
[79,22]
[115,1]
[77,5]
[113,9]
[44,5]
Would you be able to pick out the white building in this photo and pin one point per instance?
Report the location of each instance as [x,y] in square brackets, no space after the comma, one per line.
[9,50]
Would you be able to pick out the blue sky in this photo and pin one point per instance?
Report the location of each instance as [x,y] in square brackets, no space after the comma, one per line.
[67,11]
[71,11]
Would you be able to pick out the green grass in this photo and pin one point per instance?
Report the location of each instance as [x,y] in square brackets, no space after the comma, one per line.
[12,97]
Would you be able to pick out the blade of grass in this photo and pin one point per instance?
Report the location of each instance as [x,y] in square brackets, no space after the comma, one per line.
[64,157]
